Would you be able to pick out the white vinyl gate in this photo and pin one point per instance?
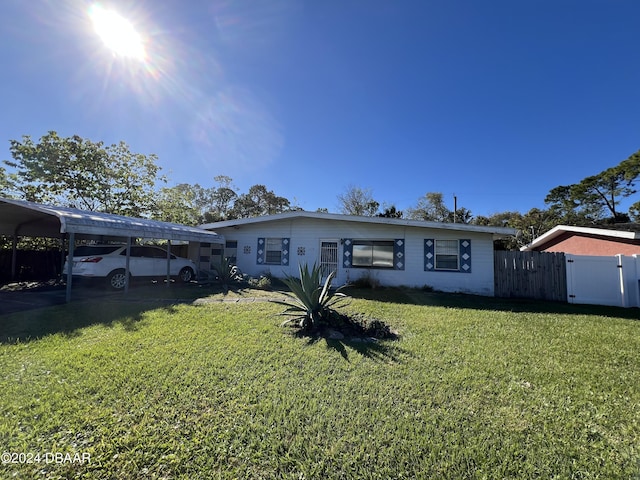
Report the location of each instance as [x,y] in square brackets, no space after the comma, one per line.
[603,280]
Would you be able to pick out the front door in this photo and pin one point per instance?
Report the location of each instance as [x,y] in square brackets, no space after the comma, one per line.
[328,257]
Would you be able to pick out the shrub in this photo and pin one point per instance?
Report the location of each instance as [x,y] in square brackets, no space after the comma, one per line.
[310,301]
[366,281]
[262,283]
[227,273]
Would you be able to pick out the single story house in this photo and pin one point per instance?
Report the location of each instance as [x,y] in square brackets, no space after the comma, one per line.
[451,257]
[625,240]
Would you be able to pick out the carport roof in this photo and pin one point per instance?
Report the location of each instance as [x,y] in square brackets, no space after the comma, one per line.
[19,217]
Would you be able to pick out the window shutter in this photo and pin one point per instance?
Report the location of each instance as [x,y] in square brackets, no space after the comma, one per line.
[465,256]
[429,255]
[260,251]
[398,254]
[285,251]
[347,252]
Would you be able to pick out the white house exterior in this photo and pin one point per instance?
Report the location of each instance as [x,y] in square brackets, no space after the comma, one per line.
[449,257]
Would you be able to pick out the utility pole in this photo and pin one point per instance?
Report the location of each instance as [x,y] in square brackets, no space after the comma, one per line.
[455,208]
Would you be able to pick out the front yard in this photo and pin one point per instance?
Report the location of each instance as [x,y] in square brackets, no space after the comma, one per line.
[474,388]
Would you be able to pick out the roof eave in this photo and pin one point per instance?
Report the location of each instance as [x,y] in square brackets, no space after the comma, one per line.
[561,229]
[500,232]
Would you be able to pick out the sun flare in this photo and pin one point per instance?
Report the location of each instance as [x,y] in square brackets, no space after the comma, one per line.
[117,33]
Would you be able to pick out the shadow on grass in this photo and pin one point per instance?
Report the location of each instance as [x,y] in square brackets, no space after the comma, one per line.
[375,349]
[90,307]
[477,302]
[70,319]
[379,350]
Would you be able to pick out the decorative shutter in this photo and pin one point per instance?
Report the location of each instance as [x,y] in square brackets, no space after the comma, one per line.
[260,251]
[285,251]
[347,252]
[398,254]
[465,256]
[429,255]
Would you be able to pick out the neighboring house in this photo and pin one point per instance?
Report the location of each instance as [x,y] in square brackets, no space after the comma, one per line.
[451,257]
[589,241]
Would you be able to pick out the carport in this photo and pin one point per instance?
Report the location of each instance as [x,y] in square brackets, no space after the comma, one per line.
[19,218]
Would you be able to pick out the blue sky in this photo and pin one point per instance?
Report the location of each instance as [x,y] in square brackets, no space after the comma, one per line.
[494,101]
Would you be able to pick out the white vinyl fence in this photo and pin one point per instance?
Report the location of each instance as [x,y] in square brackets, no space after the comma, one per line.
[611,281]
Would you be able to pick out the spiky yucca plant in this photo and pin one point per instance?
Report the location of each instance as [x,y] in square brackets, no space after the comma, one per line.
[310,299]
[227,272]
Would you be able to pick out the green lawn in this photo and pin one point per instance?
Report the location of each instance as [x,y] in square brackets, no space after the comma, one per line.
[475,388]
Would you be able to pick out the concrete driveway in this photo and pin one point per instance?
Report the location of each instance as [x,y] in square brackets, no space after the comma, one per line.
[25,296]
[29,297]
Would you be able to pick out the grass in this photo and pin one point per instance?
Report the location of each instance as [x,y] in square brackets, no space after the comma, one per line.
[475,388]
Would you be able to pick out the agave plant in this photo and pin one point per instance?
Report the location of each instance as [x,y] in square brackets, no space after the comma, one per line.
[227,272]
[310,298]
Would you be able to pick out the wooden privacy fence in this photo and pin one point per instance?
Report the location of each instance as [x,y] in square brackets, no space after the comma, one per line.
[538,275]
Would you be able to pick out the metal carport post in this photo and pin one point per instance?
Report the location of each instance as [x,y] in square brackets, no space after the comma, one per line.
[127,264]
[72,245]
[168,262]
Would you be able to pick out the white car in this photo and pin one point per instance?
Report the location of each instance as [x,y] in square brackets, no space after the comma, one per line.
[109,261]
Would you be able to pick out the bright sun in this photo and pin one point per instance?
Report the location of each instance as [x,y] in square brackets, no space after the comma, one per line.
[117,33]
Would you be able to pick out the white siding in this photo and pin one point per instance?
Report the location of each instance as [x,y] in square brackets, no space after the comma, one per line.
[308,232]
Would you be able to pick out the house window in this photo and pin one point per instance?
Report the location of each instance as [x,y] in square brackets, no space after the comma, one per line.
[273,251]
[373,253]
[447,255]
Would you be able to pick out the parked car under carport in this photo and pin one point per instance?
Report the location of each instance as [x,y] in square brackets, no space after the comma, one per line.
[109,263]
[20,218]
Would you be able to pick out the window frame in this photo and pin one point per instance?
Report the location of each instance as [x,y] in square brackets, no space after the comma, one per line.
[464,255]
[449,254]
[389,247]
[273,240]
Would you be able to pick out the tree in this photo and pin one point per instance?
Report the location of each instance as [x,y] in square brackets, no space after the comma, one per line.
[178,205]
[80,173]
[5,183]
[501,219]
[358,201]
[257,202]
[195,205]
[529,226]
[391,212]
[462,215]
[430,208]
[634,212]
[222,198]
[597,197]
